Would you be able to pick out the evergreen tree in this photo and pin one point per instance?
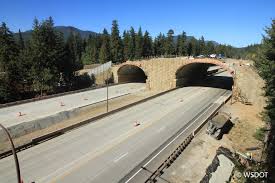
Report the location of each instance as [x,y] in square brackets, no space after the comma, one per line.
[132,44]
[90,55]
[5,92]
[162,44]
[104,53]
[159,45]
[178,40]
[225,50]
[147,45]
[8,49]
[21,42]
[190,47]
[67,68]
[46,53]
[197,50]
[116,44]
[126,45]
[156,46]
[210,48]
[65,64]
[169,47]
[181,44]
[139,44]
[193,47]
[74,49]
[84,44]
[10,67]
[265,63]
[202,49]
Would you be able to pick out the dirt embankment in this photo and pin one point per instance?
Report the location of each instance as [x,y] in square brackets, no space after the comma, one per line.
[248,87]
[248,84]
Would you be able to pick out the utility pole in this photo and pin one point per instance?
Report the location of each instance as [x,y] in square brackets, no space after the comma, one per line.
[106,81]
[107,93]
[14,154]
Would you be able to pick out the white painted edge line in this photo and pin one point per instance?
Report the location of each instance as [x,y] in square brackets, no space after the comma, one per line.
[171,141]
[120,157]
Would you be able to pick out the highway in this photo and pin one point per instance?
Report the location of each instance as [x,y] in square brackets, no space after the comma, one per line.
[48,107]
[107,150]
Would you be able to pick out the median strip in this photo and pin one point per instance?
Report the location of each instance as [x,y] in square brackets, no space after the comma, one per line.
[59,132]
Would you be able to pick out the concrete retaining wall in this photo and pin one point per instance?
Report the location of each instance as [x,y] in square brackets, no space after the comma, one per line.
[34,125]
[25,128]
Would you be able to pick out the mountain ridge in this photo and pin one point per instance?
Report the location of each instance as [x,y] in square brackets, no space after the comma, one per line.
[66,30]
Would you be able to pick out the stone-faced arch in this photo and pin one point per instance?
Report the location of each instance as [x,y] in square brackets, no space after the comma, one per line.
[195,70]
[213,62]
[189,72]
[128,73]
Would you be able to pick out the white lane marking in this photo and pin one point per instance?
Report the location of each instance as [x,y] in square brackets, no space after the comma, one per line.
[172,141]
[161,129]
[120,157]
[67,166]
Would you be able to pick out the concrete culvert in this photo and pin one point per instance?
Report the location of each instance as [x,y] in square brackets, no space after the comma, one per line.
[131,74]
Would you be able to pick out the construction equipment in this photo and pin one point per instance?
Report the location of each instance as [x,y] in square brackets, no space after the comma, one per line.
[218,125]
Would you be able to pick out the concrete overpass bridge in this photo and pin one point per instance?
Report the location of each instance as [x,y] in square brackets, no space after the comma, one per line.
[165,73]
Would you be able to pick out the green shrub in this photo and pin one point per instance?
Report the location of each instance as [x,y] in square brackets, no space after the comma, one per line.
[259,134]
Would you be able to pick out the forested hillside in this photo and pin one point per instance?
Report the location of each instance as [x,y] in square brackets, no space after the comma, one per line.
[45,60]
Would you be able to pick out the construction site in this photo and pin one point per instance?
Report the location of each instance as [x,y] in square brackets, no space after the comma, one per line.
[138,83]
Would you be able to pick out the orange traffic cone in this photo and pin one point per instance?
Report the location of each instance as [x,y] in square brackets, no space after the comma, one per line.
[62,104]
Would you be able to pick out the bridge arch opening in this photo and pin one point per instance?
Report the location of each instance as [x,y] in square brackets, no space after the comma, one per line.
[131,74]
[197,74]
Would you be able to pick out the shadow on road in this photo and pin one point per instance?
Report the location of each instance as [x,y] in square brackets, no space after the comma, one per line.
[223,82]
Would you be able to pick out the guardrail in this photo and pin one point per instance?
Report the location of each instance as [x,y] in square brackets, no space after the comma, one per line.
[171,158]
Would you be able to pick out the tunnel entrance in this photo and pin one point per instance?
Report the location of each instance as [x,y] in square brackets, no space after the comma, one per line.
[131,74]
[197,74]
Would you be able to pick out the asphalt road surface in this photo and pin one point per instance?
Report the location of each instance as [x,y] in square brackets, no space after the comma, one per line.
[107,150]
[47,107]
